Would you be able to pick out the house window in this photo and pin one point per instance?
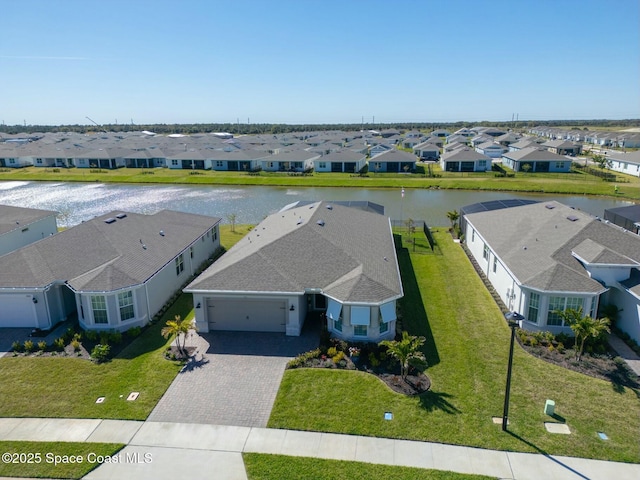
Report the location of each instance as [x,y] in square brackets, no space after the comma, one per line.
[485,253]
[473,235]
[560,304]
[337,324]
[39,161]
[559,165]
[174,163]
[482,163]
[219,163]
[384,327]
[99,307]
[534,304]
[190,252]
[179,264]
[594,308]
[214,234]
[360,330]
[269,164]
[495,264]
[125,304]
[322,165]
[12,160]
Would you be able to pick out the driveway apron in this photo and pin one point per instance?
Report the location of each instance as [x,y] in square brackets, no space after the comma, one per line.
[233,378]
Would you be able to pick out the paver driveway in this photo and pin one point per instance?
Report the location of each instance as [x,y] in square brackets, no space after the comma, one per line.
[233,379]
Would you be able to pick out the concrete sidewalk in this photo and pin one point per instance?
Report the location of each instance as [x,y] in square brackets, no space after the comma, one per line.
[162,450]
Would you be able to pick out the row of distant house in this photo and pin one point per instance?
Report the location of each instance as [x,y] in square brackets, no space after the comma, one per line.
[346,152]
[598,138]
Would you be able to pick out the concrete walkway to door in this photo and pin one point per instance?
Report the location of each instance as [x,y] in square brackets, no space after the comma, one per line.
[233,379]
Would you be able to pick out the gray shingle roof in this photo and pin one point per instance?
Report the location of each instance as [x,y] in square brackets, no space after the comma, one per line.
[13,218]
[99,256]
[538,244]
[533,154]
[351,257]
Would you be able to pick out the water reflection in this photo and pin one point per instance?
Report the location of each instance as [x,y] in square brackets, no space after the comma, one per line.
[81,201]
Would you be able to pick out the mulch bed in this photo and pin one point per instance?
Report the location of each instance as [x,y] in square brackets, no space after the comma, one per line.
[414,384]
[603,366]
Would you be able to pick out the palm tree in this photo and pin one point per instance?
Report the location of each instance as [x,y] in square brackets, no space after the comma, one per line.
[407,352]
[176,327]
[453,217]
[584,326]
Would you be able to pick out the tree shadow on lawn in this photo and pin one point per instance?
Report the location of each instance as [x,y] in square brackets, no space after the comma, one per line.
[414,316]
[431,401]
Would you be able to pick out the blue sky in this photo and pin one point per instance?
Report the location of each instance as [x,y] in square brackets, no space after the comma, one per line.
[325,61]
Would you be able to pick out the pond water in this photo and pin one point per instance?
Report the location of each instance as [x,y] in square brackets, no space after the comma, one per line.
[82,201]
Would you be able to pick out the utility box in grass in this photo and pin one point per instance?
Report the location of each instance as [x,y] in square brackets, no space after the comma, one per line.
[549,407]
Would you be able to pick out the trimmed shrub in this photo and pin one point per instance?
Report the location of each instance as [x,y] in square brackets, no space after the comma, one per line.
[28,346]
[134,332]
[100,353]
[42,345]
[76,345]
[58,343]
[16,346]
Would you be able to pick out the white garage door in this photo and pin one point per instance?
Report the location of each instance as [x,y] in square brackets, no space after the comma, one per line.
[17,311]
[247,315]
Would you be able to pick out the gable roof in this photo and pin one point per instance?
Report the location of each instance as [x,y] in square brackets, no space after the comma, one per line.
[539,242]
[347,253]
[533,154]
[100,256]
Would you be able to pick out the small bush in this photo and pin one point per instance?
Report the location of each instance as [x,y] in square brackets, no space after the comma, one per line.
[42,345]
[338,357]
[100,353]
[332,351]
[375,363]
[134,332]
[91,335]
[58,343]
[28,346]
[76,345]
[77,336]
[115,337]
[16,346]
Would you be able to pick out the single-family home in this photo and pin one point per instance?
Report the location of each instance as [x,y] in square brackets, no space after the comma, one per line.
[21,226]
[289,161]
[347,161]
[321,256]
[491,149]
[536,159]
[628,163]
[12,156]
[393,161]
[107,158]
[113,272]
[562,147]
[427,151]
[547,257]
[465,160]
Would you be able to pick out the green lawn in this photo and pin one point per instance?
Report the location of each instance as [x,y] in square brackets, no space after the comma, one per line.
[277,467]
[45,459]
[553,183]
[467,349]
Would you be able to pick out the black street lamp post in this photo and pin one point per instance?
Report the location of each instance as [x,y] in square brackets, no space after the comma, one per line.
[512,318]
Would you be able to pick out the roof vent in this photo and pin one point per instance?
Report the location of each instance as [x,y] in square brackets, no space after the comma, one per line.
[299,221]
[161,233]
[329,207]
[110,220]
[572,218]
[550,206]
[121,215]
[320,222]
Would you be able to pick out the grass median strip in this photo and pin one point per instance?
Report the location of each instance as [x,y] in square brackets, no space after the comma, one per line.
[275,467]
[467,348]
[54,459]
[566,183]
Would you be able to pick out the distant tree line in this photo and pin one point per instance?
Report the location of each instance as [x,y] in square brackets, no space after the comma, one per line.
[276,128]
